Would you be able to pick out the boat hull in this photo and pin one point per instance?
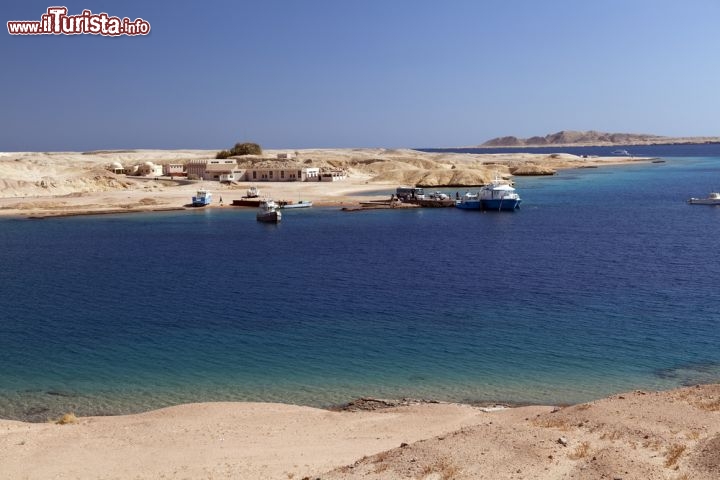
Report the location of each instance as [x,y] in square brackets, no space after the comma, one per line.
[704,201]
[300,204]
[469,205]
[269,217]
[501,204]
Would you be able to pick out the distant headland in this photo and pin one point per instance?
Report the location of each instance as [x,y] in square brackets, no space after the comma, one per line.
[568,138]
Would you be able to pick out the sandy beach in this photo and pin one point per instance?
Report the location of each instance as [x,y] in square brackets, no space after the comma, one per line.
[635,435]
[670,435]
[67,183]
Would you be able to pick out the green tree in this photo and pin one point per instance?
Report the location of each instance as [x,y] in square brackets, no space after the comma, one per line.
[246,149]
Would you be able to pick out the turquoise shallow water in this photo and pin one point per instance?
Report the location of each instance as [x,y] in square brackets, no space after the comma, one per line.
[604,281]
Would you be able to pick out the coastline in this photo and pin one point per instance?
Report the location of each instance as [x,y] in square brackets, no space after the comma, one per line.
[672,434]
[42,185]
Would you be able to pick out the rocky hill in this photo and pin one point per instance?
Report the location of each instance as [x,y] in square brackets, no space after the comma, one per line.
[592,137]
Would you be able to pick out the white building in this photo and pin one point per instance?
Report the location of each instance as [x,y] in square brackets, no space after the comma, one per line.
[282,174]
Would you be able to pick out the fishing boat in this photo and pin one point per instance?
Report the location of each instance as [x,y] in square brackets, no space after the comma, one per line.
[268,212]
[712,199]
[202,198]
[499,196]
[300,204]
[469,201]
[252,192]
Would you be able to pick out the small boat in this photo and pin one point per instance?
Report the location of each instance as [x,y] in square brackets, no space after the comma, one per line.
[469,201]
[202,198]
[268,212]
[712,199]
[300,204]
[621,152]
[499,196]
[252,192]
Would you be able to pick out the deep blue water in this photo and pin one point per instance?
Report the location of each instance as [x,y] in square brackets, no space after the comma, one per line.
[687,150]
[605,280]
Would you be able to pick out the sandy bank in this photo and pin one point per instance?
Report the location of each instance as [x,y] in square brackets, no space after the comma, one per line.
[637,435]
[46,184]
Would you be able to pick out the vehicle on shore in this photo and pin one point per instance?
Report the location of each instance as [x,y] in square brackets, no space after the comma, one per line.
[408,194]
[202,198]
[712,199]
[268,212]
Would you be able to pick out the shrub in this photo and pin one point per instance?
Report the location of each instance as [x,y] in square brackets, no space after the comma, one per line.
[246,149]
[222,154]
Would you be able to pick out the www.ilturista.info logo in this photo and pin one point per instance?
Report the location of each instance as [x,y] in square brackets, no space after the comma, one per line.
[57,22]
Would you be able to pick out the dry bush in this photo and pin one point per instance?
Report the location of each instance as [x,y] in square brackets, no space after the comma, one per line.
[552,422]
[444,467]
[581,451]
[67,419]
[673,453]
[710,406]
[612,435]
[381,457]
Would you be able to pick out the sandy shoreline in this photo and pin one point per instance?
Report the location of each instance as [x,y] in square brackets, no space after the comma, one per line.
[62,184]
[648,435]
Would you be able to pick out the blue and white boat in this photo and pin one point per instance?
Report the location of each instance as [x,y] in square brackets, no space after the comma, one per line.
[202,198]
[469,201]
[499,196]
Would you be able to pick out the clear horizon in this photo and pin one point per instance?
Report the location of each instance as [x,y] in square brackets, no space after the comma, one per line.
[323,74]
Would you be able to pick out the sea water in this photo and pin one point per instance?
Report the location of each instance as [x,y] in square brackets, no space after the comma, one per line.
[605,280]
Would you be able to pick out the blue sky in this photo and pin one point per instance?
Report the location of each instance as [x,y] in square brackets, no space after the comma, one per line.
[393,73]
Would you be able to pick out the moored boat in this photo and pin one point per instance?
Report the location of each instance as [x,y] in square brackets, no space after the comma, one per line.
[712,199]
[202,198]
[268,212]
[300,204]
[499,196]
[252,192]
[469,201]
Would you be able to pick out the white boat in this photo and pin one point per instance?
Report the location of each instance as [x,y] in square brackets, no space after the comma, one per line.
[621,152]
[252,192]
[202,198]
[712,199]
[268,212]
[300,204]
[499,196]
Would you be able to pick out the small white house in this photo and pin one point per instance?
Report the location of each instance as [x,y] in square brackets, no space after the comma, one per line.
[333,176]
[174,170]
[149,169]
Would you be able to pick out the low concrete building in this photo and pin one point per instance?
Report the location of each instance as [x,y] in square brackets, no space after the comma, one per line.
[223,171]
[149,169]
[332,176]
[116,167]
[195,169]
[282,174]
[174,170]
